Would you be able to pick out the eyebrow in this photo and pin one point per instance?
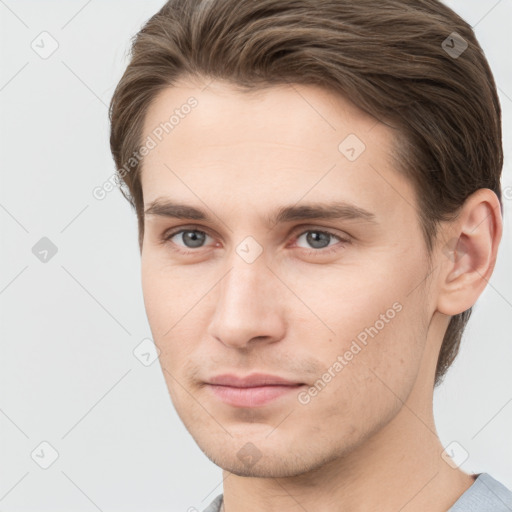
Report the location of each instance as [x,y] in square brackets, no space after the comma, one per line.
[329,210]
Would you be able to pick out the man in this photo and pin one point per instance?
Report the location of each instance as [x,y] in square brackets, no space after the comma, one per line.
[317,186]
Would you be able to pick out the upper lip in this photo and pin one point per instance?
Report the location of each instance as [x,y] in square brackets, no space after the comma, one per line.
[253,380]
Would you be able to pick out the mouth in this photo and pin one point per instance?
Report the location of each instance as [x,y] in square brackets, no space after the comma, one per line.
[254,390]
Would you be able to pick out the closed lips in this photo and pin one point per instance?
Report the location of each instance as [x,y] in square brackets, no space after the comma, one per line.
[253,380]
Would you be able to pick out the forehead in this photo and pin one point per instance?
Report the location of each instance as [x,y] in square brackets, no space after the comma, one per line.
[275,145]
[307,117]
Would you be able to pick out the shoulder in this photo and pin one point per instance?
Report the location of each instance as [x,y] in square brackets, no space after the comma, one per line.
[485,495]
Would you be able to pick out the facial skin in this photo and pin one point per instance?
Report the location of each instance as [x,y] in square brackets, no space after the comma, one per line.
[294,309]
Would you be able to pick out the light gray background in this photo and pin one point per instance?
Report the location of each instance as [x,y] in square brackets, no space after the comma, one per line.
[69,326]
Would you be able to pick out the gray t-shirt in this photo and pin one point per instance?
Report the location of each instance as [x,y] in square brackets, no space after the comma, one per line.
[486,494]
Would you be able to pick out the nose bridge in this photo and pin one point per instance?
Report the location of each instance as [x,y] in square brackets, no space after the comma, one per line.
[246,284]
[246,305]
[245,288]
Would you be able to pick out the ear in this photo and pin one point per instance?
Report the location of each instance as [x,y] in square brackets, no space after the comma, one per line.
[468,258]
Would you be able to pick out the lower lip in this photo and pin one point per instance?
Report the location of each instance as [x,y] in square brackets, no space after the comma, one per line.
[251,397]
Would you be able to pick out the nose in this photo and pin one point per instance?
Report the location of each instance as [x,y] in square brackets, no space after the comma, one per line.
[248,306]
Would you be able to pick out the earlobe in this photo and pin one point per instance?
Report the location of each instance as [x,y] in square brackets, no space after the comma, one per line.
[468,258]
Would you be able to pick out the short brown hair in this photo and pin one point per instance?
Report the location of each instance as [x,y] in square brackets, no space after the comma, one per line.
[391,58]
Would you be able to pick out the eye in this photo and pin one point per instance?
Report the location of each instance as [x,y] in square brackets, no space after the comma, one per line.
[320,241]
[190,238]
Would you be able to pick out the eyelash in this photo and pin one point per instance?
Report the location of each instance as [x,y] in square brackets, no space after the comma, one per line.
[311,252]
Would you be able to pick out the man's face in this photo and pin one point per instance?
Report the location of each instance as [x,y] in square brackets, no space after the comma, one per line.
[335,305]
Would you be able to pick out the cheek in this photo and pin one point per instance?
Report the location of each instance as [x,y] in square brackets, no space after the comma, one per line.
[168,292]
[379,319]
[372,379]
[349,302]
[173,305]
[155,294]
